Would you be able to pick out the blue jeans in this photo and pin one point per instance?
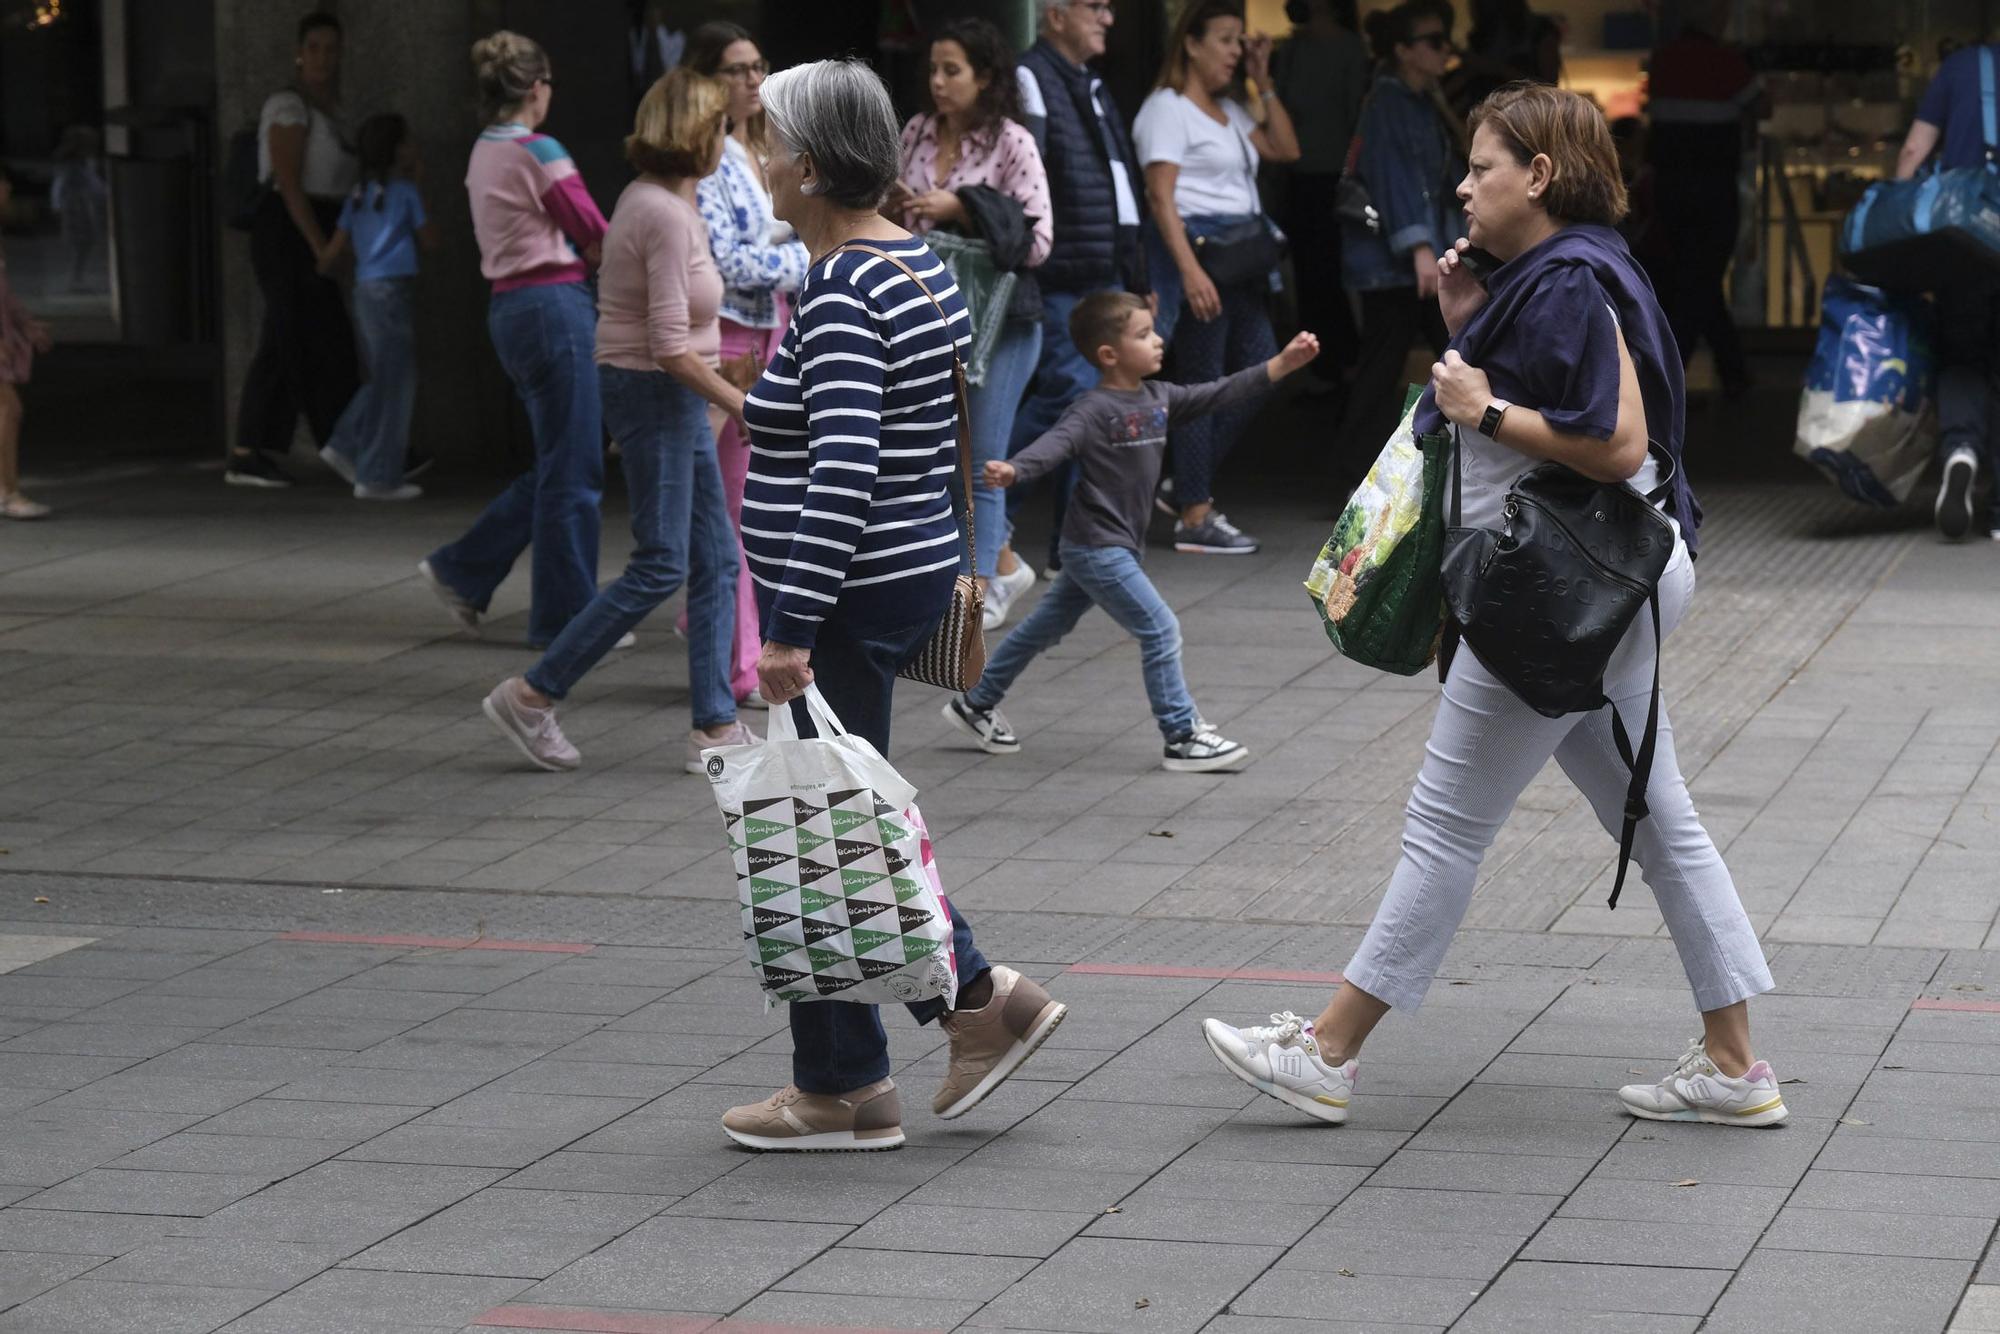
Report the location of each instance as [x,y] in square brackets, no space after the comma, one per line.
[1062,375]
[839,1045]
[1208,350]
[681,534]
[991,408]
[546,337]
[1111,578]
[373,433]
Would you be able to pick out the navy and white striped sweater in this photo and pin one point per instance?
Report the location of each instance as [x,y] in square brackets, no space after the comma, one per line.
[853,440]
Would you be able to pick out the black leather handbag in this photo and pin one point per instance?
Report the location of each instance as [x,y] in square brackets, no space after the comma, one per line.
[1241,252]
[1545,599]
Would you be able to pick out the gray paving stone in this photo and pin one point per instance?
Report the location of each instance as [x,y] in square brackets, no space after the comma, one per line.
[268,1156]
[63,1233]
[1857,1232]
[1713,1154]
[854,1271]
[970,1185]
[792,1310]
[1373,1300]
[1703,1204]
[1157,1216]
[26,1274]
[141,1091]
[1550,1287]
[90,1306]
[225,1262]
[1847,1152]
[1512,1173]
[1630,1242]
[345,1123]
[621,1173]
[1444,1210]
[1405,1252]
[110,1190]
[353,1301]
[1250,1324]
[1808,1289]
[372,1084]
[460,1146]
[1097,1284]
[1896,1192]
[685,1264]
[136,1041]
[965,1230]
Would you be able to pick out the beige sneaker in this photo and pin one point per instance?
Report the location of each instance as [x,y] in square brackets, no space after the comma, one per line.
[990,1043]
[791,1121]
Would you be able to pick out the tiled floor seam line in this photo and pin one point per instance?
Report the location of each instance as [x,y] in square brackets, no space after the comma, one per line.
[1938,838]
[1848,1106]
[1848,823]
[1839,714]
[102,1260]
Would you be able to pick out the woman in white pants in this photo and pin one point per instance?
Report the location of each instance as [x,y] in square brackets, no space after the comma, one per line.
[1564,355]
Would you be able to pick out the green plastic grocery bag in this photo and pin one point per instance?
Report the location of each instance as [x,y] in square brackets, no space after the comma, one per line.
[1378,584]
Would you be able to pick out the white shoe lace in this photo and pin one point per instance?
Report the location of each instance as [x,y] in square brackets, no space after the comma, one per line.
[1283,1028]
[1694,1061]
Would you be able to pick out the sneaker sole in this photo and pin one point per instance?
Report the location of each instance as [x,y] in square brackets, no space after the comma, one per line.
[493,716]
[1229,763]
[1953,512]
[1318,1111]
[1016,1057]
[253,480]
[1765,1118]
[832,1141]
[986,744]
[1198,549]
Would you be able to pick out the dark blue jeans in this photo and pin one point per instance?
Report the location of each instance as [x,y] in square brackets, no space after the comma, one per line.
[374,431]
[546,337]
[681,534]
[839,1045]
[1208,350]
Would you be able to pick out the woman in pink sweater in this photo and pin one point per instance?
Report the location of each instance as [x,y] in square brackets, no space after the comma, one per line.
[657,345]
[539,236]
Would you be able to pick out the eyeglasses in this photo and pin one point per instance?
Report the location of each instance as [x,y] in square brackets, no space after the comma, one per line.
[1436,41]
[756,69]
[1098,8]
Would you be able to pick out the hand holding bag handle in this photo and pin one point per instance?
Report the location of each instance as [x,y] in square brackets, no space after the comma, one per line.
[954,657]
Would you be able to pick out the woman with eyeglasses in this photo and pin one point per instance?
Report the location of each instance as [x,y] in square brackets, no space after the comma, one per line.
[1410,164]
[762,265]
[540,235]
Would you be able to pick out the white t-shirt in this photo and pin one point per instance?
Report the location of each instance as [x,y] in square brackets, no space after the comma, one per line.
[1218,162]
[330,167]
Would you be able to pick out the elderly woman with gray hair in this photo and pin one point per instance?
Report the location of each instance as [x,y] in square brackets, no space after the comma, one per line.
[849,533]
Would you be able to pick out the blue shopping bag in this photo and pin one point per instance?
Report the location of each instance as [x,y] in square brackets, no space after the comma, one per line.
[1935,230]
[1866,415]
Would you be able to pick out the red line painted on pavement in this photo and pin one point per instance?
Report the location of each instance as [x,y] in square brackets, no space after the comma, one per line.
[584,1321]
[1213,974]
[440,942]
[1962,1006]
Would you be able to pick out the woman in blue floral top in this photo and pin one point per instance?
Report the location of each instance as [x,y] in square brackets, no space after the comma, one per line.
[761,262]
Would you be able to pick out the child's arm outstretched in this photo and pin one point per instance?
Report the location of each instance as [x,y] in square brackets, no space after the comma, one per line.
[1193,400]
[1051,448]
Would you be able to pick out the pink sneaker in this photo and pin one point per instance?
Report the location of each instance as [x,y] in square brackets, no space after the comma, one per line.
[533,731]
[736,734]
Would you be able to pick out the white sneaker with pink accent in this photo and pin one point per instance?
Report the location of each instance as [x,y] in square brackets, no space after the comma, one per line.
[1282,1058]
[1697,1091]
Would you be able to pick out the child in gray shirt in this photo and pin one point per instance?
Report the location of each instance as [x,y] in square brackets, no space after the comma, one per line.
[1117,435]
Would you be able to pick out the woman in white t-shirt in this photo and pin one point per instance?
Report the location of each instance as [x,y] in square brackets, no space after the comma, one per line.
[1200,144]
[305,360]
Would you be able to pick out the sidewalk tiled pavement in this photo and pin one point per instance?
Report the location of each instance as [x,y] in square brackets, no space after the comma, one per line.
[318,1014]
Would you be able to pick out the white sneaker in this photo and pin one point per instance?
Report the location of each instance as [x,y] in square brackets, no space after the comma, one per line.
[1697,1091]
[1953,509]
[343,467]
[462,612]
[1004,590]
[1282,1059]
[736,734]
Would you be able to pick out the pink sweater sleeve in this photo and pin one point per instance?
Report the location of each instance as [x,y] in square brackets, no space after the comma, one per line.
[575,212]
[669,242]
[1023,177]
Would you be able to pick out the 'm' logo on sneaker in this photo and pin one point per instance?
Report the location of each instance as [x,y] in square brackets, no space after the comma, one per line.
[1289,1063]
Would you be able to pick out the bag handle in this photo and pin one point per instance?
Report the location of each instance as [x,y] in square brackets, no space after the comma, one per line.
[826,723]
[957,388]
[1640,764]
[1989,130]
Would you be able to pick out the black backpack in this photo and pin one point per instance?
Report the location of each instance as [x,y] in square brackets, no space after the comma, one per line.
[242,191]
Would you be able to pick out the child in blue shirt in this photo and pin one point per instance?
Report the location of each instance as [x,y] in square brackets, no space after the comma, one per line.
[383,222]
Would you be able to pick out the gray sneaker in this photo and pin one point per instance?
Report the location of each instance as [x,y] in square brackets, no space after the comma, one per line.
[987,728]
[533,731]
[737,733]
[1214,536]
[1203,751]
[461,611]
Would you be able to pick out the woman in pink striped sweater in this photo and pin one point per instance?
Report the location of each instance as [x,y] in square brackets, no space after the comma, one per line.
[540,235]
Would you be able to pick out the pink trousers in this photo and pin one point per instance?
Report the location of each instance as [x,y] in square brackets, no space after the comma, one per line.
[732,451]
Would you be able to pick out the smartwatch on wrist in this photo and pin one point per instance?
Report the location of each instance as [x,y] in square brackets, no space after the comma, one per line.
[1489,425]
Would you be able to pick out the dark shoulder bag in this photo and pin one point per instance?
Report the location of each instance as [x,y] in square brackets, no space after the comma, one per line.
[1243,251]
[1546,599]
[954,657]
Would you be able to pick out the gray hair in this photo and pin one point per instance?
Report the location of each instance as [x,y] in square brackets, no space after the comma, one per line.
[838,113]
[1046,8]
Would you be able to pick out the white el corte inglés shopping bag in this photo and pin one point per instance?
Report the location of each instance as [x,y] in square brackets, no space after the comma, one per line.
[838,901]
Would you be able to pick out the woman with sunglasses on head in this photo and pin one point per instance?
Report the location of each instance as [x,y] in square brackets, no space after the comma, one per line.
[762,265]
[540,234]
[1410,165]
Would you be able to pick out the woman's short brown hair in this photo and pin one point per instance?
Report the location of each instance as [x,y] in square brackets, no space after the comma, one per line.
[679,126]
[1195,17]
[1531,119]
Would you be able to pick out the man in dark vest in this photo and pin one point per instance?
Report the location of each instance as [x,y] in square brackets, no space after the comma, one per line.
[1096,195]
